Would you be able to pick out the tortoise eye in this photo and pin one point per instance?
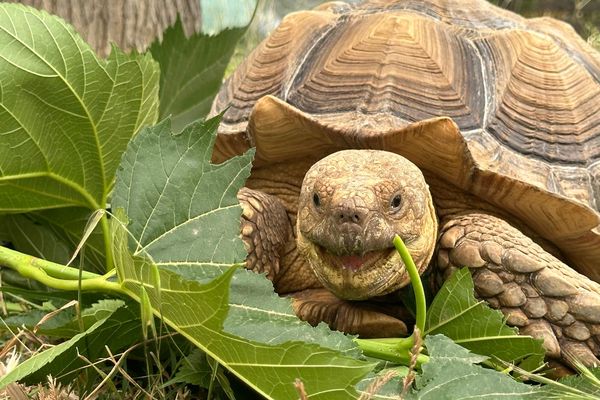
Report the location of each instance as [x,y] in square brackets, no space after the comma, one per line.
[316,200]
[396,202]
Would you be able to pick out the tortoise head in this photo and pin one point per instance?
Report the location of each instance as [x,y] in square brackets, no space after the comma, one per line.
[351,205]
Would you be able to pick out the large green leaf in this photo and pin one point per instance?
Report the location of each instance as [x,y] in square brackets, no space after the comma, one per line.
[197,311]
[184,217]
[183,210]
[453,373]
[456,313]
[191,71]
[65,115]
[111,325]
[257,313]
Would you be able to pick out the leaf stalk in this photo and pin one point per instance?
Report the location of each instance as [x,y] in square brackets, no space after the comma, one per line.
[415,280]
[398,349]
[389,351]
[55,275]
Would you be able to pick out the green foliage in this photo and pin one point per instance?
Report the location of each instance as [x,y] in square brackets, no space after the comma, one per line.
[191,71]
[66,118]
[456,313]
[588,382]
[56,94]
[206,195]
[74,141]
[453,373]
[36,239]
[194,370]
[258,314]
[109,323]
[183,210]
[197,369]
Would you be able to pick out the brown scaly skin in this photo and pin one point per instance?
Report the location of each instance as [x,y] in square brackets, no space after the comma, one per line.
[353,202]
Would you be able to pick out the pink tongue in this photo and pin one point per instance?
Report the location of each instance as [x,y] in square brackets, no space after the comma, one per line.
[352,262]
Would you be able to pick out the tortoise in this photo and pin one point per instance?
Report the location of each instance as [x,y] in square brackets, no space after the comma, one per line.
[470,131]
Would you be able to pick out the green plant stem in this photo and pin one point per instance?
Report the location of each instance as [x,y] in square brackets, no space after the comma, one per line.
[54,275]
[388,351]
[399,343]
[397,349]
[107,243]
[415,280]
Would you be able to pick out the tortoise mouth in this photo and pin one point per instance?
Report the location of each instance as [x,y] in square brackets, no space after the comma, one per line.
[355,276]
[355,262]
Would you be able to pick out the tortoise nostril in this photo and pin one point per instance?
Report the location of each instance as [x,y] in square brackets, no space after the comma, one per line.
[350,215]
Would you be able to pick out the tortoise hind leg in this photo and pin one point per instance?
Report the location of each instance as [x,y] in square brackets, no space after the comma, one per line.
[537,292]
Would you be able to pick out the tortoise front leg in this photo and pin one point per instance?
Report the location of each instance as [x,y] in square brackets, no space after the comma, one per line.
[369,319]
[537,292]
[269,240]
[266,229]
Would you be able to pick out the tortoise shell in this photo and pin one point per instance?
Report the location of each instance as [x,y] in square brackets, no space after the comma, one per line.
[503,107]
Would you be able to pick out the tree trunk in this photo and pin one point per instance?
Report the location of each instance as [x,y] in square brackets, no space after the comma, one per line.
[130,24]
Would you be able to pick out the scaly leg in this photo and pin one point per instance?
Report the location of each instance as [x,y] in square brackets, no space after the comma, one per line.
[268,236]
[537,292]
[266,229]
[368,319]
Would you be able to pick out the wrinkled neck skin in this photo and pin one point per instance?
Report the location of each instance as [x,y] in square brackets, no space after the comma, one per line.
[351,205]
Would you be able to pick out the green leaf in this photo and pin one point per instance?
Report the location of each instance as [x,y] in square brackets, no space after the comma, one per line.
[55,234]
[452,373]
[257,313]
[66,116]
[386,387]
[225,14]
[69,225]
[113,327]
[584,386]
[31,318]
[56,297]
[183,210]
[185,217]
[191,71]
[31,237]
[471,323]
[197,311]
[194,370]
[588,383]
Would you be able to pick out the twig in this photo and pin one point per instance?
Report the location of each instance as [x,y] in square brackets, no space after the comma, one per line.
[414,355]
[299,385]
[377,384]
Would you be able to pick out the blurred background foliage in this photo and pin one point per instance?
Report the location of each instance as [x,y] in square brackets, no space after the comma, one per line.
[583,15]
